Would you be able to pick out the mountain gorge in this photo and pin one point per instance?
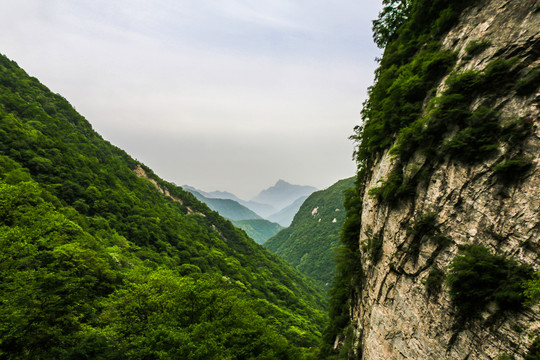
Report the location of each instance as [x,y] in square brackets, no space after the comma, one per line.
[441,240]
[102,259]
[309,242]
[432,251]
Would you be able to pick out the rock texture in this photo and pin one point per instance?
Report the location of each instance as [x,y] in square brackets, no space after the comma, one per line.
[395,318]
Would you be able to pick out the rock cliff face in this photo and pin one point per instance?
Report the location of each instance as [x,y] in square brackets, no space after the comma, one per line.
[394,317]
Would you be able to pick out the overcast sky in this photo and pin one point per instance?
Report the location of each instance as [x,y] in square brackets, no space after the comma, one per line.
[221,95]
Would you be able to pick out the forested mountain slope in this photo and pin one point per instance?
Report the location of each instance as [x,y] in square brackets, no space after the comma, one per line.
[309,241]
[259,230]
[442,240]
[102,259]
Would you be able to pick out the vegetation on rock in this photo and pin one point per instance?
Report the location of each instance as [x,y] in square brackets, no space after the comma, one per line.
[477,277]
[421,125]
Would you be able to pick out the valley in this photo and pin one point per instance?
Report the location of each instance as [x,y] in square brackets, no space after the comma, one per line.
[430,251]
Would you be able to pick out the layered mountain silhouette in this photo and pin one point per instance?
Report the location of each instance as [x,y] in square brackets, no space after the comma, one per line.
[285,216]
[277,204]
[283,194]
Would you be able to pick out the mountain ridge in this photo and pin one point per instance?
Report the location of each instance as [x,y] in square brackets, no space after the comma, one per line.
[282,194]
[263,210]
[103,259]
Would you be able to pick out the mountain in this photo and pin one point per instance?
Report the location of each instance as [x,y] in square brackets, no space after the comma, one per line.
[259,230]
[264,210]
[283,194]
[285,216]
[102,259]
[441,243]
[227,208]
[309,242]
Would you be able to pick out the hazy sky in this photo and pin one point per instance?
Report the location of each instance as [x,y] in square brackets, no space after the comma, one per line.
[221,95]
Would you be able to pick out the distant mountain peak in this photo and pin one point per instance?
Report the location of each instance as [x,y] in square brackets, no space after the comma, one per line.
[283,194]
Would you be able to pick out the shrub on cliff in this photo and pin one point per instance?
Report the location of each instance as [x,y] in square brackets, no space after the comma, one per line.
[478,277]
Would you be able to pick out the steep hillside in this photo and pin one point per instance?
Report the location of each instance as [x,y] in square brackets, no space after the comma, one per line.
[103,259]
[227,208]
[283,194]
[442,232]
[259,230]
[309,242]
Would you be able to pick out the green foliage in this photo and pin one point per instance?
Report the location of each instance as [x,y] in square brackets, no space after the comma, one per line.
[532,289]
[259,230]
[393,189]
[392,16]
[397,98]
[478,138]
[506,357]
[309,242]
[90,250]
[476,47]
[476,134]
[203,317]
[477,277]
[349,275]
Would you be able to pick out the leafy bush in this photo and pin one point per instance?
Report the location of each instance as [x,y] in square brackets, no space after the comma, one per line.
[475,47]
[349,273]
[392,16]
[476,277]
[478,139]
[532,289]
[392,189]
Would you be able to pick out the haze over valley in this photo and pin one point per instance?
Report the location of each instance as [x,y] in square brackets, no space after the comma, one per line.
[424,245]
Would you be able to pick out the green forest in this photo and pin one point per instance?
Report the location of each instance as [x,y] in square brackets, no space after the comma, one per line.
[309,243]
[96,263]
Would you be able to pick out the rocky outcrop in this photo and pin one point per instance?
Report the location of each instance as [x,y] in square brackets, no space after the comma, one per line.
[395,317]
